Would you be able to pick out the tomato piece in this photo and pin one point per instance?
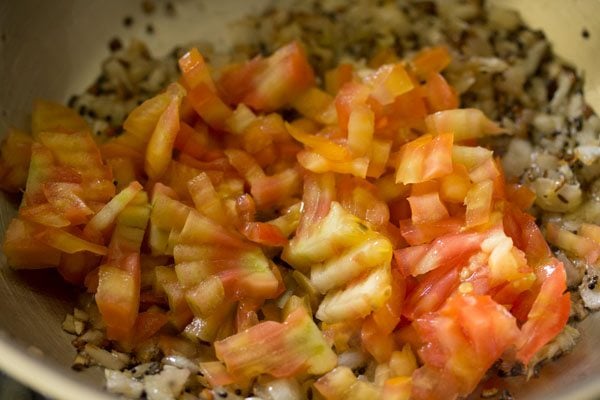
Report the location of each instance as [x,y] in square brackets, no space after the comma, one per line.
[549,312]
[315,162]
[350,96]
[322,145]
[43,214]
[479,203]
[268,84]
[461,342]
[141,122]
[160,145]
[74,268]
[118,295]
[526,235]
[388,82]
[194,70]
[22,252]
[269,191]
[148,323]
[236,80]
[439,94]
[431,292]
[66,199]
[431,60]
[425,158]
[445,250]
[68,242]
[317,105]
[464,123]
[361,128]
[379,344]
[279,349]
[388,316]
[318,193]
[416,234]
[409,108]
[48,116]
[264,233]
[78,152]
[455,186]
[195,141]
[360,198]
[427,208]
[209,106]
[216,374]
[520,195]
[109,213]
[206,200]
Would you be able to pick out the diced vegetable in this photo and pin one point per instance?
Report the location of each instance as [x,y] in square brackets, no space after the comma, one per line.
[279,349]
[282,250]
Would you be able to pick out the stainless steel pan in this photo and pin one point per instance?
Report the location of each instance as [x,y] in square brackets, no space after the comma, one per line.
[51,49]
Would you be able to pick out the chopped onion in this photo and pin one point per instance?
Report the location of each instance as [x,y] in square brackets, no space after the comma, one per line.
[276,389]
[590,287]
[166,385]
[120,383]
[180,362]
[106,359]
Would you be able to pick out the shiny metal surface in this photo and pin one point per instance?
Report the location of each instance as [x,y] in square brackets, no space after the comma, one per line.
[52,49]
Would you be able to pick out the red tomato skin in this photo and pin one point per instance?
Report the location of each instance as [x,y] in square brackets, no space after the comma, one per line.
[548,314]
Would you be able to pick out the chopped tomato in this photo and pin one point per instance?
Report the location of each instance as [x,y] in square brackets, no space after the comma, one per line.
[549,312]
[425,158]
[279,349]
[273,82]
[446,250]
[461,342]
[431,60]
[526,235]
[427,207]
[439,94]
[416,234]
[366,218]
[49,116]
[118,295]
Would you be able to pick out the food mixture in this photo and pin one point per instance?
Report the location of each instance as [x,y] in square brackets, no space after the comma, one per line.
[377,200]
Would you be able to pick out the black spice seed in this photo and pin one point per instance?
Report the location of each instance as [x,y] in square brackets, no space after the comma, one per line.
[148,6]
[585,33]
[82,110]
[115,44]
[238,392]
[562,198]
[92,114]
[593,281]
[170,8]
[128,21]
[72,101]
[221,393]
[149,29]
